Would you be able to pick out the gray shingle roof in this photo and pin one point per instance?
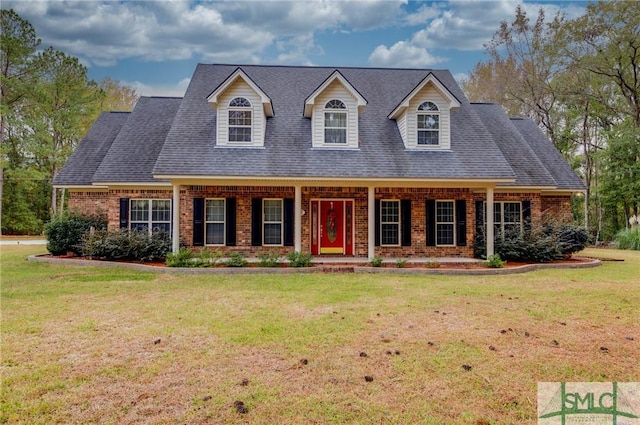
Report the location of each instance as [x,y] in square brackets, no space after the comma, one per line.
[133,153]
[524,161]
[555,164]
[190,146]
[85,159]
[172,136]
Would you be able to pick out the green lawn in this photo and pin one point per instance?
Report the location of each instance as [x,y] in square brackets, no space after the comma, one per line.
[114,346]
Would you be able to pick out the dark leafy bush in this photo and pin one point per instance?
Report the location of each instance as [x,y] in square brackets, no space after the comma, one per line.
[125,245]
[544,243]
[64,232]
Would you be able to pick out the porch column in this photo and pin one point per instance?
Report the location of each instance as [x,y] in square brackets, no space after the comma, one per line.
[297,222]
[175,219]
[490,230]
[371,219]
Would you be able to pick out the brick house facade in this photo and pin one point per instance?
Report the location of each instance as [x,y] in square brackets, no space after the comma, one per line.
[349,162]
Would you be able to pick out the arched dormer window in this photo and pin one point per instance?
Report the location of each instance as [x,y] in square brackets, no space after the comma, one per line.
[240,120]
[428,124]
[335,122]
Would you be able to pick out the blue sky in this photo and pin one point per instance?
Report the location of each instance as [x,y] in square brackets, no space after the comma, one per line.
[155,45]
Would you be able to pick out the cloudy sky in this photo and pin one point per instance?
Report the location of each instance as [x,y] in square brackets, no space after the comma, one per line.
[154,45]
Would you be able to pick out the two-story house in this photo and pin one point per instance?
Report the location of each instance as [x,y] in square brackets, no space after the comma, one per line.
[332,161]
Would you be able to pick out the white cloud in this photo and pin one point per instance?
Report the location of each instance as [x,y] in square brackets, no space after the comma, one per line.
[169,90]
[403,55]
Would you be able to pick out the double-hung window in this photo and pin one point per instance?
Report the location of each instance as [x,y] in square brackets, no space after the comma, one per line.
[445,223]
[335,122]
[390,222]
[150,215]
[507,218]
[428,124]
[214,222]
[240,120]
[272,221]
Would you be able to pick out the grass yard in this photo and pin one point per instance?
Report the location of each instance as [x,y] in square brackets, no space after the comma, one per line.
[113,346]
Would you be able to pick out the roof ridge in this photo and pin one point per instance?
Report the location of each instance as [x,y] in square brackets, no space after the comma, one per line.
[334,67]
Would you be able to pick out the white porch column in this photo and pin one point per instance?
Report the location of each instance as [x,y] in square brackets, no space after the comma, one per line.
[175,219]
[297,222]
[371,220]
[490,230]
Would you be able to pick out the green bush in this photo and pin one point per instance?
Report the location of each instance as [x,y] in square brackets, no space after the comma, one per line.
[207,258]
[299,259]
[401,263]
[495,262]
[544,243]
[269,259]
[237,259]
[628,239]
[64,232]
[376,261]
[182,258]
[126,245]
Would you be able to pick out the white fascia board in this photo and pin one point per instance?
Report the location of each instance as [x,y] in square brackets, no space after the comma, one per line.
[404,104]
[310,101]
[239,73]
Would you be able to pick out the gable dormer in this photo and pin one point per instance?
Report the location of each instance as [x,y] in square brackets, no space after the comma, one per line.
[424,116]
[334,108]
[242,111]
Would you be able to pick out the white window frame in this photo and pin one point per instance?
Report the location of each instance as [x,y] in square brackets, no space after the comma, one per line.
[280,222]
[452,223]
[223,222]
[327,110]
[428,113]
[149,222]
[500,224]
[232,109]
[390,223]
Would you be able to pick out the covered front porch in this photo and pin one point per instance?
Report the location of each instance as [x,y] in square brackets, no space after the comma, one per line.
[337,220]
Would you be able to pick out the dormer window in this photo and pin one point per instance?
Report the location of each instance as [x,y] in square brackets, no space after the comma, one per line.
[335,122]
[428,124]
[240,117]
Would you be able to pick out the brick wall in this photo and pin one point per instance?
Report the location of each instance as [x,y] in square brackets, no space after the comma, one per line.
[109,201]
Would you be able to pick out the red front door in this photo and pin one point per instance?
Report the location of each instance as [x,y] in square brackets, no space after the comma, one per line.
[332,227]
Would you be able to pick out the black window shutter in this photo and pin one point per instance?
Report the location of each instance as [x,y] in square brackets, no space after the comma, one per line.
[377,222]
[405,223]
[198,221]
[256,221]
[289,221]
[461,221]
[230,221]
[124,213]
[430,214]
[526,215]
[526,211]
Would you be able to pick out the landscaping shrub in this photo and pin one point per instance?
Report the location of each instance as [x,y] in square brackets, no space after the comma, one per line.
[495,262]
[182,258]
[269,259]
[547,242]
[64,232]
[376,261]
[299,259]
[185,257]
[628,239]
[126,245]
[237,259]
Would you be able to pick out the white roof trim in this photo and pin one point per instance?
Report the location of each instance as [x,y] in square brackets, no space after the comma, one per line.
[239,73]
[429,79]
[310,101]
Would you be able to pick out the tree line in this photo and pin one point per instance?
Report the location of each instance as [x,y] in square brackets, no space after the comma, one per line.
[47,105]
[579,79]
